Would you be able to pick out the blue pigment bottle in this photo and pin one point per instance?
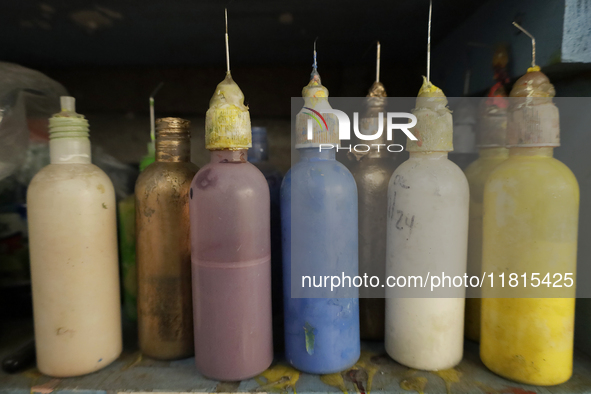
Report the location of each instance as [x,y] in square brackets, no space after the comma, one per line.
[319,223]
[258,155]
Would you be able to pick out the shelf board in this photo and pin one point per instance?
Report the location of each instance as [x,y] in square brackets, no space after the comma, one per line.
[132,373]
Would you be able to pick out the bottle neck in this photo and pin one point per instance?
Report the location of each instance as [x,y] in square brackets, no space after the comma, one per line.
[68,150]
[487,153]
[173,147]
[315,154]
[428,155]
[543,151]
[68,139]
[228,156]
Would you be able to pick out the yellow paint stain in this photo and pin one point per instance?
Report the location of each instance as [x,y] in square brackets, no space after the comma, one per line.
[449,376]
[429,90]
[369,367]
[335,380]
[417,384]
[134,362]
[227,127]
[32,373]
[278,378]
[227,121]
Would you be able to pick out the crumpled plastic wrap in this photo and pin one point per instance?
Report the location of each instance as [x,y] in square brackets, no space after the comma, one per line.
[27,99]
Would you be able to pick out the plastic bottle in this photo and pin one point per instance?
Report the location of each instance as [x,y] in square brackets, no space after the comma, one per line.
[530,222]
[428,201]
[319,222]
[372,174]
[258,155]
[73,246]
[165,313]
[230,247]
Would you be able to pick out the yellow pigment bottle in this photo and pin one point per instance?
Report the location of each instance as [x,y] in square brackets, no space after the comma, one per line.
[492,128]
[531,204]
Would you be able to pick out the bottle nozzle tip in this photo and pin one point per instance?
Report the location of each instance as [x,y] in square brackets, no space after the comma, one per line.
[68,103]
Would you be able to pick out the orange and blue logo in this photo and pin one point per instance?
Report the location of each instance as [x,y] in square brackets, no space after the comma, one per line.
[317,117]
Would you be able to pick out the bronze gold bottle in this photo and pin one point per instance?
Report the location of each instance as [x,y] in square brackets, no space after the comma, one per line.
[163,249]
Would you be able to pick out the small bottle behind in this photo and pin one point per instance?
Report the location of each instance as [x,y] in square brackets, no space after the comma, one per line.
[258,155]
[163,248]
[492,129]
[73,247]
[372,175]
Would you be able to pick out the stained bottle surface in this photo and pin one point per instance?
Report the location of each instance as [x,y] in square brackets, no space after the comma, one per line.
[530,225]
[73,247]
[427,231]
[230,248]
[163,248]
[319,223]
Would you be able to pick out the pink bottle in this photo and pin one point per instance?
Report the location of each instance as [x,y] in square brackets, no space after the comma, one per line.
[230,247]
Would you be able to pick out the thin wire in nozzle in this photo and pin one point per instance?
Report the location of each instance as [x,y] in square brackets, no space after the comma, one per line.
[227,45]
[533,43]
[315,61]
[152,117]
[378,62]
[429,43]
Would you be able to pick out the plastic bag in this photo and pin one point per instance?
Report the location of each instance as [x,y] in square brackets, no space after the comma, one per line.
[27,99]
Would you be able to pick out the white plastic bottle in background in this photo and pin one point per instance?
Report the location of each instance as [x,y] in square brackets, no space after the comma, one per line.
[74,262]
[427,231]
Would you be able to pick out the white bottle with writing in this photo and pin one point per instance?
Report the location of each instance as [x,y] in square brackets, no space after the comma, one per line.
[427,234]
[74,262]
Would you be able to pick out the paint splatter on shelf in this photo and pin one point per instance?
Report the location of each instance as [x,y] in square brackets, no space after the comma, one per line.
[417,384]
[360,375]
[449,376]
[135,361]
[357,377]
[227,387]
[366,363]
[278,378]
[335,380]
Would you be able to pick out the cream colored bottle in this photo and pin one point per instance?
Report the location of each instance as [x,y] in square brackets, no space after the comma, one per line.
[427,232]
[73,247]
